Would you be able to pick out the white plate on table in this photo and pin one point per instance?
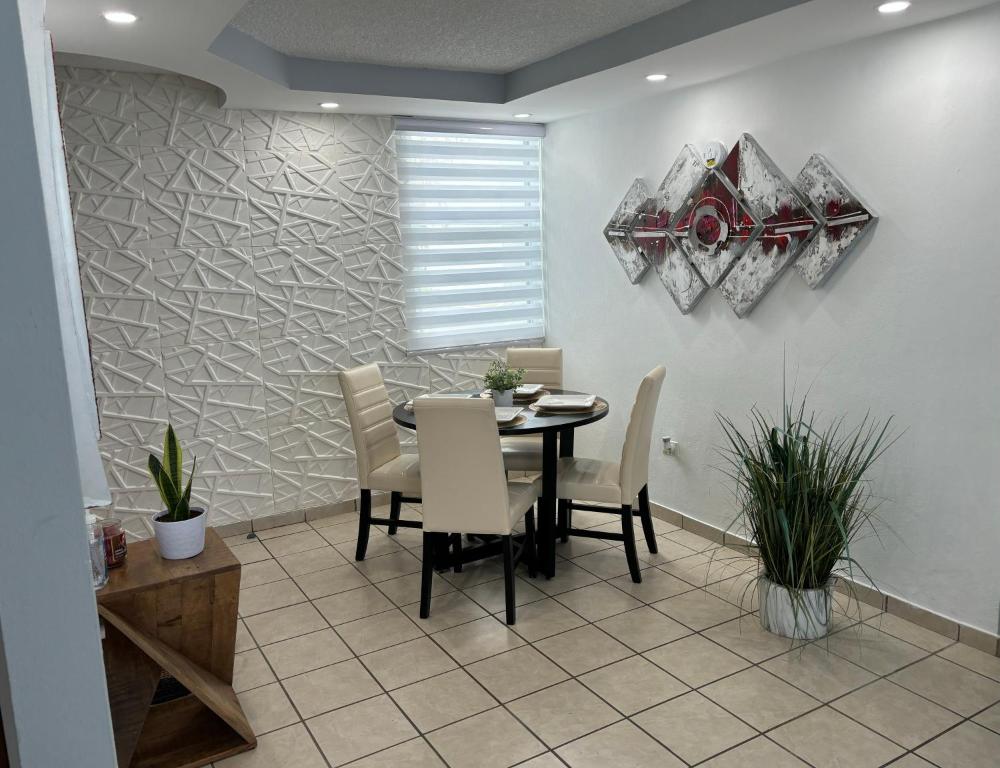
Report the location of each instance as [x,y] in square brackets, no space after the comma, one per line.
[507,414]
[565,402]
[528,389]
[445,395]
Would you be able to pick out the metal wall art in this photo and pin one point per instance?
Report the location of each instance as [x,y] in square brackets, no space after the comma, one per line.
[736,224]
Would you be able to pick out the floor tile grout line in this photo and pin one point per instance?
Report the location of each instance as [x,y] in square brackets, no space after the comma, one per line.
[634,653]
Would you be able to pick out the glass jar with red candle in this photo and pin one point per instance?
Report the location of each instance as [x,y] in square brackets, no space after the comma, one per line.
[115,549]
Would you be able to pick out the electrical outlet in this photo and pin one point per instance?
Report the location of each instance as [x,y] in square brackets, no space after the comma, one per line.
[669,445]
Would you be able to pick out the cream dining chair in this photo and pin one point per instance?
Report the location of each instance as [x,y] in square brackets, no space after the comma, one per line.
[542,365]
[382,466]
[618,483]
[465,488]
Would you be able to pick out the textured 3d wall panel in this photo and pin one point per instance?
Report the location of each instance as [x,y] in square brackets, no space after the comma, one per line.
[232,262]
[736,225]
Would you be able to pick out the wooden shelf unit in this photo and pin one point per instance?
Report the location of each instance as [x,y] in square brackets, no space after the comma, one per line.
[174,617]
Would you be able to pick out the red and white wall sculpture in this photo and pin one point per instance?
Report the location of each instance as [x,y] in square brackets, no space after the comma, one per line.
[736,225]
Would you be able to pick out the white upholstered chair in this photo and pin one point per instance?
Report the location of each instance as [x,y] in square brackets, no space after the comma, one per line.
[618,483]
[382,466]
[465,487]
[542,365]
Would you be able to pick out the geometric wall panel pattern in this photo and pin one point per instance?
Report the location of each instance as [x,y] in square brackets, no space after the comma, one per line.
[118,299]
[204,295]
[294,197]
[737,225]
[232,263]
[196,197]
[172,111]
[214,388]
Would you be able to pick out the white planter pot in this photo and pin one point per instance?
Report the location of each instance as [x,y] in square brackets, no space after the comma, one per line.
[179,541]
[806,616]
[503,399]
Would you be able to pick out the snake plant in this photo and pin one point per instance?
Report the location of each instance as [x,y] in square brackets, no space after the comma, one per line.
[168,478]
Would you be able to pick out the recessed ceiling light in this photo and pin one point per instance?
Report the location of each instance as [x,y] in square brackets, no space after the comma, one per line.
[329,104]
[656,78]
[522,115]
[120,17]
[898,6]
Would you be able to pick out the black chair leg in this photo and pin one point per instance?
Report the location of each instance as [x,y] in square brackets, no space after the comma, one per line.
[426,574]
[395,506]
[508,577]
[364,524]
[647,519]
[563,520]
[529,541]
[456,552]
[628,532]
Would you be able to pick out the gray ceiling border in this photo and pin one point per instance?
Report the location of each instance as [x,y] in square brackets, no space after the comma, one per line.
[688,22]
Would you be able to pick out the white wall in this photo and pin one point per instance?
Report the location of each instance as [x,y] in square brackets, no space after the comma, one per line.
[53,694]
[906,326]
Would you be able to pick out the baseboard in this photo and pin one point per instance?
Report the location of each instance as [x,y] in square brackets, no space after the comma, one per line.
[287,518]
[893,604]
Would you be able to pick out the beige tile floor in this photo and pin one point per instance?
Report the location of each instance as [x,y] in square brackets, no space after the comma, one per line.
[336,668]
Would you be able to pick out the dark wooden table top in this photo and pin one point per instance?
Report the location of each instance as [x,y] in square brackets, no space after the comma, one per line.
[533,423]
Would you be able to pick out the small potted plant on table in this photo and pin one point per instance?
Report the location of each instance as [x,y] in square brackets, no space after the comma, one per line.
[804,502]
[179,528]
[502,381]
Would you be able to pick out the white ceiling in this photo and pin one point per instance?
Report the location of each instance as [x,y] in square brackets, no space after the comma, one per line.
[176,35]
[469,35]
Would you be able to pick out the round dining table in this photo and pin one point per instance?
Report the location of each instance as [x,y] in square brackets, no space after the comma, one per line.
[557,431]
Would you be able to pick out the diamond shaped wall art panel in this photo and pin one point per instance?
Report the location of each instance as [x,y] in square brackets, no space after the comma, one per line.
[716,224]
[622,228]
[654,236]
[736,225]
[788,226]
[845,219]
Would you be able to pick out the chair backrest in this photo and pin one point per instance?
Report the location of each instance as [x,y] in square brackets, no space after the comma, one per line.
[542,365]
[634,471]
[462,479]
[370,412]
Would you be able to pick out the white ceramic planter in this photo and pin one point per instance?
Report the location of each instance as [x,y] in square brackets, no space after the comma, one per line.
[503,399]
[805,617]
[179,541]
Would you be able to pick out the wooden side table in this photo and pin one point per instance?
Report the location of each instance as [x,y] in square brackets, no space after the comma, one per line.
[175,618]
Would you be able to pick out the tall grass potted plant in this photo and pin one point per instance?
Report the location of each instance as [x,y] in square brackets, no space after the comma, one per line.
[179,528]
[804,502]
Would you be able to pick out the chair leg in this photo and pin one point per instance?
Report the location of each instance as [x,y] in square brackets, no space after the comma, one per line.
[647,519]
[508,577]
[395,506]
[630,553]
[529,541]
[563,518]
[456,552]
[364,524]
[427,572]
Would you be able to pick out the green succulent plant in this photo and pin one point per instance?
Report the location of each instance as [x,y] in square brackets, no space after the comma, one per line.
[168,478]
[500,377]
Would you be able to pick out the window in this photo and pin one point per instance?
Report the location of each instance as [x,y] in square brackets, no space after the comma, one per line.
[470,209]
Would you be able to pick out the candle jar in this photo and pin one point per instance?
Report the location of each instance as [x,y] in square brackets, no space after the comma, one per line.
[95,538]
[115,549]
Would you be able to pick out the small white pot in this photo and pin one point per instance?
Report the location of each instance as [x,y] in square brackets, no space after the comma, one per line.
[503,399]
[806,616]
[179,541]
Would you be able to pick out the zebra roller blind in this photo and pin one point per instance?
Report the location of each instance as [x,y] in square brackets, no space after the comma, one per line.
[470,211]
